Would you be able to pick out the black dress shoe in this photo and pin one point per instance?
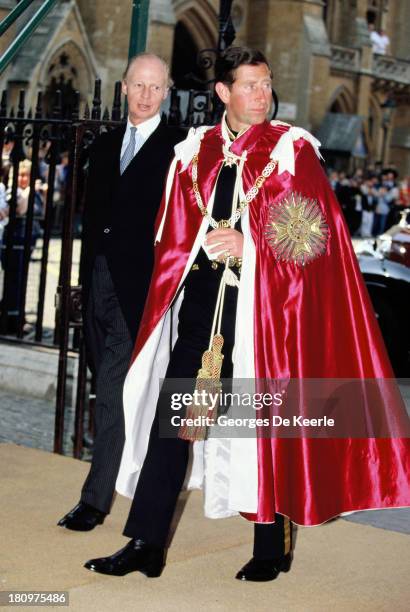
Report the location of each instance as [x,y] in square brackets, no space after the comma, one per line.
[261,570]
[136,556]
[82,518]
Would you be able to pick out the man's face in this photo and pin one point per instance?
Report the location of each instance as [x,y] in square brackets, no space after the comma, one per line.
[249,99]
[145,86]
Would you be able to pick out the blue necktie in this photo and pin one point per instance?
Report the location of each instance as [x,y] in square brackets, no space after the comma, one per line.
[129,152]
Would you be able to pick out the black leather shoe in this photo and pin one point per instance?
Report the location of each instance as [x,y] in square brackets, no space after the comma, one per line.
[261,570]
[82,518]
[136,556]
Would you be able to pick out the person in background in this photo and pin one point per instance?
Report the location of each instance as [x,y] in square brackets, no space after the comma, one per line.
[334,179]
[389,183]
[350,200]
[368,189]
[16,260]
[382,210]
[379,39]
[383,43]
[357,204]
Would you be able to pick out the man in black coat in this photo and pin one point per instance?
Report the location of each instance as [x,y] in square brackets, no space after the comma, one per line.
[127,173]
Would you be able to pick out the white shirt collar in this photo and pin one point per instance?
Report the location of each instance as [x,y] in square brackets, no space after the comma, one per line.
[144,131]
[225,132]
[145,128]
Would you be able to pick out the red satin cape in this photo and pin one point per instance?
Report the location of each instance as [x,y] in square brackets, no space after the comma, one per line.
[314,321]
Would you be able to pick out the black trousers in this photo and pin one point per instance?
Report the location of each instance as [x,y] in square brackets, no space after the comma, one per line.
[165,465]
[110,345]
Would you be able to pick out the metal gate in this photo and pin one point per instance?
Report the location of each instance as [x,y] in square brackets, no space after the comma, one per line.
[51,148]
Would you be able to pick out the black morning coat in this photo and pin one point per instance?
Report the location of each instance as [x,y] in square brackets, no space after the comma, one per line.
[120,212]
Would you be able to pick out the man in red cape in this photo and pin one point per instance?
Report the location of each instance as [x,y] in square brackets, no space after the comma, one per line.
[251,244]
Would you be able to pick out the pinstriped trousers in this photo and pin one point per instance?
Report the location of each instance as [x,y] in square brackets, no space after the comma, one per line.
[110,346]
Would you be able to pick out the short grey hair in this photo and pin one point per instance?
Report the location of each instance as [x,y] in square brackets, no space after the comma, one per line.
[147,55]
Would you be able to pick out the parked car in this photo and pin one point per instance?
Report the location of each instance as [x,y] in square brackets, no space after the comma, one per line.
[395,243]
[385,265]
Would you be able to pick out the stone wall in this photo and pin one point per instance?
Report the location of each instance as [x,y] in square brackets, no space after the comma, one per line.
[291,33]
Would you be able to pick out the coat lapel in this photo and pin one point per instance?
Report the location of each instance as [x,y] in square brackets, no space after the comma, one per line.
[115,150]
[149,150]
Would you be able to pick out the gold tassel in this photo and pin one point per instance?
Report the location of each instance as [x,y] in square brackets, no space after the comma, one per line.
[208,380]
[209,376]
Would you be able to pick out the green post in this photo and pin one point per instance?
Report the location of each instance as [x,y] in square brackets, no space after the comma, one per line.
[14,14]
[25,33]
[139,27]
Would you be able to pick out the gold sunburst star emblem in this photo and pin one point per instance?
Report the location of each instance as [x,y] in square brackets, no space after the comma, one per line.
[230,160]
[296,230]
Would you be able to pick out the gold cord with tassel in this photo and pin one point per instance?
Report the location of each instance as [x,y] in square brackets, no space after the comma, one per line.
[209,375]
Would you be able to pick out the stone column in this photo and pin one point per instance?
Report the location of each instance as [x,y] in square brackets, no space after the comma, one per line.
[365,82]
[359,31]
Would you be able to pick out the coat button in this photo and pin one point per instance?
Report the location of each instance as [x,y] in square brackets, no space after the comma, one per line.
[107,230]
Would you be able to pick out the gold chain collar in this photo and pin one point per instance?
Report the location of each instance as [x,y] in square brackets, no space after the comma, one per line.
[250,195]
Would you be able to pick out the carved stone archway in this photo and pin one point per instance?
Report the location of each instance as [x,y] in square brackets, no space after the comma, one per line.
[196,29]
[66,70]
[342,101]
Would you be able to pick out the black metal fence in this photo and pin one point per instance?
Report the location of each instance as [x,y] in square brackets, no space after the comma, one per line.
[42,189]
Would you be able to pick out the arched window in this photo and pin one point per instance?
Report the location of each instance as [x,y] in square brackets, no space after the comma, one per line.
[341,102]
[336,107]
[185,71]
[375,12]
[61,76]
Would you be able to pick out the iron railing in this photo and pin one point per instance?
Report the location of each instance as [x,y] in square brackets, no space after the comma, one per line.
[44,138]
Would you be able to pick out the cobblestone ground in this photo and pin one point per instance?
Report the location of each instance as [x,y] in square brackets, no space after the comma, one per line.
[30,422]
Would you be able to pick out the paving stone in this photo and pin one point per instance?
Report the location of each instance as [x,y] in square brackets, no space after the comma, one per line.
[30,422]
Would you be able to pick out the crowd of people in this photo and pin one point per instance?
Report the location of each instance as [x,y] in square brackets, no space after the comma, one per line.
[371,200]
[16,259]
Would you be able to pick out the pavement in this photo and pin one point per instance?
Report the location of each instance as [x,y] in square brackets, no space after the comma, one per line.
[360,562]
[340,566]
[29,421]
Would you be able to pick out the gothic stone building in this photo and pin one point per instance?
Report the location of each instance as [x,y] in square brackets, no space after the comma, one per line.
[325,74]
